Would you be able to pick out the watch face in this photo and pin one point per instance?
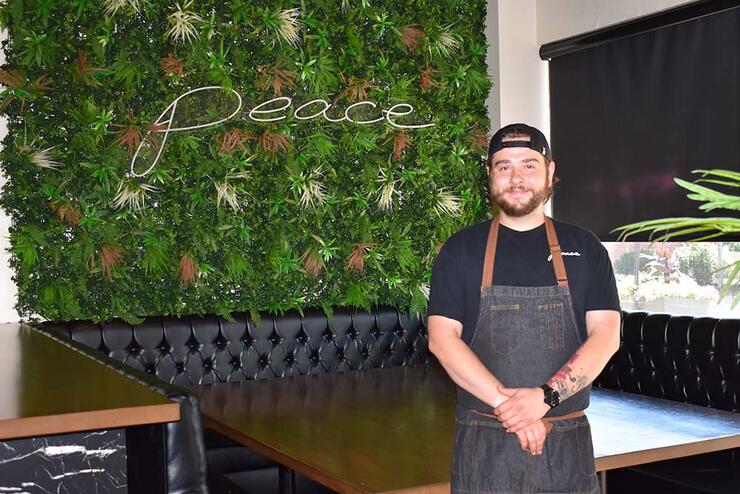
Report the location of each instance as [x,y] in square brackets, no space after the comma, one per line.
[555,398]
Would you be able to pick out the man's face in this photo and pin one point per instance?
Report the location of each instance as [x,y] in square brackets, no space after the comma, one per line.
[519,181]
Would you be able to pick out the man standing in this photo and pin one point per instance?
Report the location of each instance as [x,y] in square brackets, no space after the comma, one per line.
[523,341]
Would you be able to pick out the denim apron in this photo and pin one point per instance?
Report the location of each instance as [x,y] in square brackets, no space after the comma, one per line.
[523,335]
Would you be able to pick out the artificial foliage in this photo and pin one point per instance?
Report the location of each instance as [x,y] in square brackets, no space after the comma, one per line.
[244,215]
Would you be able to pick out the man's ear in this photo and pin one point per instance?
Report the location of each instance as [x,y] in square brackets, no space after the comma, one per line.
[552,170]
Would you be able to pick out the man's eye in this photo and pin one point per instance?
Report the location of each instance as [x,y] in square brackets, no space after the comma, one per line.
[502,168]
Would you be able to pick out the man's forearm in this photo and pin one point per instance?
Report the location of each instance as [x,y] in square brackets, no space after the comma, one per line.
[585,364]
[466,369]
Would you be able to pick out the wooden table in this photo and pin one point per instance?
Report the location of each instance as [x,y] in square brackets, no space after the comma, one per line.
[390,430]
[49,388]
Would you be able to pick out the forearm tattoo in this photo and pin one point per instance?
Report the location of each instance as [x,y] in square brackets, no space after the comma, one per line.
[567,381]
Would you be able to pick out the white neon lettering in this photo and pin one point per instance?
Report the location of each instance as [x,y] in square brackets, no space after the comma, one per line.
[304,105]
[256,109]
[361,122]
[391,111]
[329,119]
[167,118]
[171,109]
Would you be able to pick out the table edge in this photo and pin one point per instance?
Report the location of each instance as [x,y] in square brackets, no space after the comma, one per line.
[438,488]
[604,463]
[312,472]
[613,462]
[112,418]
[622,460]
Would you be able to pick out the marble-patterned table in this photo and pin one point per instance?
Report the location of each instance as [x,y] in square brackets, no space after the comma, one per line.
[64,417]
[66,463]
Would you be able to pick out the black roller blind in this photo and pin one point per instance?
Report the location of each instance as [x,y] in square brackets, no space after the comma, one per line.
[629,115]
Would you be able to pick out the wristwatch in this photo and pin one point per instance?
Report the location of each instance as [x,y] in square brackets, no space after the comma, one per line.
[552,397]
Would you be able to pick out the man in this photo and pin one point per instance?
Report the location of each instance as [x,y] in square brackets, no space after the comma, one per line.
[523,341]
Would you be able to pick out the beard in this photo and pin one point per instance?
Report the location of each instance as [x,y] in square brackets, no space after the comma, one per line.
[515,208]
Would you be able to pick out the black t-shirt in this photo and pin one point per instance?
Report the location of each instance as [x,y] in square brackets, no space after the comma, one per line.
[522,259]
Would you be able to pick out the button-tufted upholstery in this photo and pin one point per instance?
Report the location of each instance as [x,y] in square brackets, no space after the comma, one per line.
[680,358]
[687,359]
[199,350]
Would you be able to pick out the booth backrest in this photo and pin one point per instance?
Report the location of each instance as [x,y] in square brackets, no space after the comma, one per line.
[200,350]
[681,358]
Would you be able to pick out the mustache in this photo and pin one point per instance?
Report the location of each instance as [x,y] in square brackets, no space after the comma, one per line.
[518,188]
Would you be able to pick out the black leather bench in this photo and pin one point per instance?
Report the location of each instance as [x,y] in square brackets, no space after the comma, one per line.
[686,359]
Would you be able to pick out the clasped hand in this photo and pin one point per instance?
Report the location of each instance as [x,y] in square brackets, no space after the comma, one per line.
[521,414]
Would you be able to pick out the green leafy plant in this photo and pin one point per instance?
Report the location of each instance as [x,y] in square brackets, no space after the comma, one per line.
[247,215]
[698,263]
[665,229]
[626,263]
[40,49]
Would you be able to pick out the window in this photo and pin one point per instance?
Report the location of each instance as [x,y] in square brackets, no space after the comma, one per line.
[680,278]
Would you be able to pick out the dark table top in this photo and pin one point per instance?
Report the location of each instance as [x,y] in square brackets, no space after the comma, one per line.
[390,430]
[48,388]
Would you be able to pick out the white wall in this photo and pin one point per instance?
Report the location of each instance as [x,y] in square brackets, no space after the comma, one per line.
[522,77]
[492,61]
[8,291]
[559,19]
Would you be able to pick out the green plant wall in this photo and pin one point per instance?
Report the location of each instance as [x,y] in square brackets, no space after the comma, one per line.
[244,215]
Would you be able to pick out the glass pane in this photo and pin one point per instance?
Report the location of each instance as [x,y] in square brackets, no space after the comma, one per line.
[680,278]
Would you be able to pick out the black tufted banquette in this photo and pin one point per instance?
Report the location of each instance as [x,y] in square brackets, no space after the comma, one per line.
[679,358]
[686,359]
[199,350]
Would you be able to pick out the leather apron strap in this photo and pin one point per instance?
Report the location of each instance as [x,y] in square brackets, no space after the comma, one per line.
[567,416]
[557,256]
[490,256]
[489,259]
[547,420]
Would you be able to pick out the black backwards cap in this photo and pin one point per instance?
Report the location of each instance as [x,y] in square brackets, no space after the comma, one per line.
[537,140]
